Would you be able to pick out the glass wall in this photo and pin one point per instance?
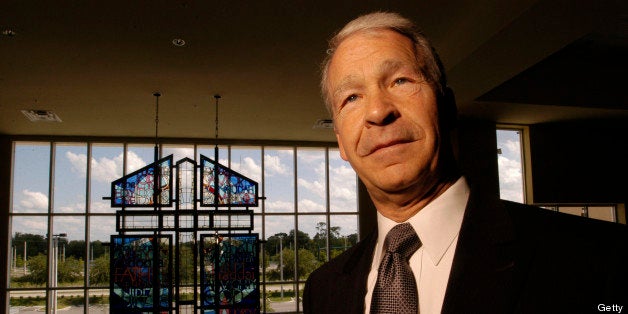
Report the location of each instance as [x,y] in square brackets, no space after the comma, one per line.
[309,214]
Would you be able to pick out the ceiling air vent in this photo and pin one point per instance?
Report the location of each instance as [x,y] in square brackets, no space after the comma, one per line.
[41,115]
[324,124]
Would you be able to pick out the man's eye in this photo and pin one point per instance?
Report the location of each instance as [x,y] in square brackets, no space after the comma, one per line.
[351,98]
[400,81]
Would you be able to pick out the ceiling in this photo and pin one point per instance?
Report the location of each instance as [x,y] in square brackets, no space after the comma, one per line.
[96,64]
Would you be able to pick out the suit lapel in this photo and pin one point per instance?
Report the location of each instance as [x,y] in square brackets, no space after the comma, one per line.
[354,274]
[486,272]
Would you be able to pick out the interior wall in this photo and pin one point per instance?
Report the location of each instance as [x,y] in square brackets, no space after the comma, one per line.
[580,162]
[5,183]
[475,142]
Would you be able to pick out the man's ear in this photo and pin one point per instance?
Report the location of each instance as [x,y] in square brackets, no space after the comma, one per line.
[447,109]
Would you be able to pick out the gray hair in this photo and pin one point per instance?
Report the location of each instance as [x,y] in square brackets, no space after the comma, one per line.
[427,59]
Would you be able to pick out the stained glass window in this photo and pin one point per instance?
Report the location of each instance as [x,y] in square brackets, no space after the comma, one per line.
[229,273]
[137,189]
[134,283]
[234,189]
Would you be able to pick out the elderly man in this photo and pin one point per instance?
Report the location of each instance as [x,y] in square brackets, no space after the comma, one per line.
[441,246]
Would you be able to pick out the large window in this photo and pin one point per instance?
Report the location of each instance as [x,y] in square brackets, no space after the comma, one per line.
[511,161]
[60,224]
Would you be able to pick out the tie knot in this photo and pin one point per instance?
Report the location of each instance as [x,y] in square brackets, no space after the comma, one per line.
[402,240]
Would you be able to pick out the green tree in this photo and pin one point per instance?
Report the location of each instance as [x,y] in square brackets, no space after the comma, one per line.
[99,271]
[75,248]
[307,264]
[97,249]
[272,243]
[38,270]
[303,239]
[70,269]
[35,244]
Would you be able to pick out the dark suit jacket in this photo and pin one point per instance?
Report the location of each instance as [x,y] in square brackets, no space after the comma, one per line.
[510,258]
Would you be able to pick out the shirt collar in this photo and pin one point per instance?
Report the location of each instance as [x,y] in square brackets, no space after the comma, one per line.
[436,224]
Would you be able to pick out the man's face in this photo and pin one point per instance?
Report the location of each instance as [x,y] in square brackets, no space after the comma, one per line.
[385,114]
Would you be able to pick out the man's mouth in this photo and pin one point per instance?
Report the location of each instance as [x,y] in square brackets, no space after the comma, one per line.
[382,145]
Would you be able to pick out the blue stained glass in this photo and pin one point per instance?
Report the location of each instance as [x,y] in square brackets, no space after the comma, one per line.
[137,189]
[234,189]
[132,273]
[230,273]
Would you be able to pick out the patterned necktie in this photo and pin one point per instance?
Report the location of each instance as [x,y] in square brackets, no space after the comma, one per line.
[395,290]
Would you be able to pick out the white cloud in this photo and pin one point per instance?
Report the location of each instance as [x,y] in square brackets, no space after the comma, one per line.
[72,208]
[249,168]
[34,200]
[509,170]
[78,162]
[105,169]
[279,206]
[73,226]
[133,161]
[306,205]
[311,157]
[30,225]
[343,183]
[316,187]
[273,165]
[510,179]
[101,207]
[512,146]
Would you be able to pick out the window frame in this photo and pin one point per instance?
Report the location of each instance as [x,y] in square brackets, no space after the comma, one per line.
[260,213]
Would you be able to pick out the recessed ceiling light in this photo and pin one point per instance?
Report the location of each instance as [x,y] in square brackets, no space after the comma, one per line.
[8,32]
[323,124]
[178,42]
[41,115]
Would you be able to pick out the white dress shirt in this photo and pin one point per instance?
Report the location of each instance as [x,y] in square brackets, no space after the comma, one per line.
[437,225]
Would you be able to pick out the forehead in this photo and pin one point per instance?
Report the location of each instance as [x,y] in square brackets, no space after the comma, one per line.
[376,49]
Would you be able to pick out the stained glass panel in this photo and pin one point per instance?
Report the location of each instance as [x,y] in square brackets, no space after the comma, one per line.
[137,188]
[230,273]
[234,189]
[133,281]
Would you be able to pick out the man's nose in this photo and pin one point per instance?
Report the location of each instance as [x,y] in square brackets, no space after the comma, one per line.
[380,110]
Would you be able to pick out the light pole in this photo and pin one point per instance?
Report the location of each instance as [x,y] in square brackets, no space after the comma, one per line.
[54,268]
[24,258]
[281,263]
